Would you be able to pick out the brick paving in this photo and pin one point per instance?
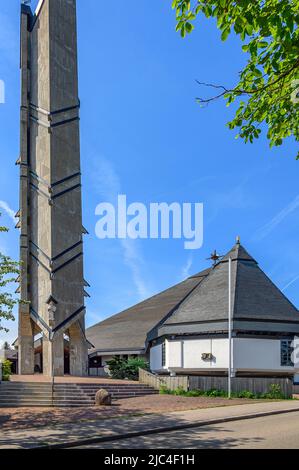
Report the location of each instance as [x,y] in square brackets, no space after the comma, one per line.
[25,418]
[80,432]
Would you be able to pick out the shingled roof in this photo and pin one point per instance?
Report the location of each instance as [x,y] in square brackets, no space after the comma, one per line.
[254,295]
[200,299]
[128,330]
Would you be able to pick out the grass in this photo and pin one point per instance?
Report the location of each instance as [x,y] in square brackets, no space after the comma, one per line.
[274,393]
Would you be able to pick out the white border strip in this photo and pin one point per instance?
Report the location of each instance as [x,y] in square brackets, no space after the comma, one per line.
[37,10]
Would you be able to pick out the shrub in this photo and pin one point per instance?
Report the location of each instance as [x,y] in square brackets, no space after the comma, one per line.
[164,390]
[245,394]
[180,391]
[215,393]
[132,367]
[195,393]
[116,367]
[126,368]
[275,392]
[191,393]
[6,370]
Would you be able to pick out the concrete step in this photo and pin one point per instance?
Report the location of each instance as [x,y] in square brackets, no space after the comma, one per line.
[128,392]
[25,397]
[23,387]
[27,405]
[37,393]
[77,400]
[14,394]
[25,384]
[13,403]
[15,391]
[44,402]
[113,389]
[119,390]
[62,405]
[111,385]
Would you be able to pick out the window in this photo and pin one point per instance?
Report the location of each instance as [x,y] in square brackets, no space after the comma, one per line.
[95,362]
[286,351]
[163,354]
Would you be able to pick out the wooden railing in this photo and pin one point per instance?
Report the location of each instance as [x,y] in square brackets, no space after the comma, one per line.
[156,381]
[205,383]
[147,378]
[239,384]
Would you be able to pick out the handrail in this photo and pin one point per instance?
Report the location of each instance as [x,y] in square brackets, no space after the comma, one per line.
[158,381]
[150,379]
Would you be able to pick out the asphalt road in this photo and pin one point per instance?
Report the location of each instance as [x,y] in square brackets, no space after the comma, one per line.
[272,432]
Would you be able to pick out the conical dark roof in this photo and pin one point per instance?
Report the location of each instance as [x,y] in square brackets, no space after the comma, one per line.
[128,329]
[239,253]
[254,296]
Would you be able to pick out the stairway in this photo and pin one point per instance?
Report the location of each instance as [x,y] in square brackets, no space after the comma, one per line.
[118,391]
[26,394]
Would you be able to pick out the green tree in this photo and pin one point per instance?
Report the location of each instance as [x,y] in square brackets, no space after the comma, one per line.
[9,269]
[126,368]
[6,370]
[267,91]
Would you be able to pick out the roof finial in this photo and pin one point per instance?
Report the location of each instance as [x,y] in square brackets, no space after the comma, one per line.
[238,239]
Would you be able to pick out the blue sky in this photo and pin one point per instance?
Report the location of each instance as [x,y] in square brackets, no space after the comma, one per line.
[143,135]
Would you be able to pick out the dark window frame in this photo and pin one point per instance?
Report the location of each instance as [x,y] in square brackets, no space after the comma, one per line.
[163,353]
[286,351]
[95,365]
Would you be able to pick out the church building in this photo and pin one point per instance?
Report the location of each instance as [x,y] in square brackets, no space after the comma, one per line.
[184,330]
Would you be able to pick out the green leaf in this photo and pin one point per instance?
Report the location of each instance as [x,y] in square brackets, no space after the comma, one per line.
[262,44]
[257,72]
[265,82]
[8,268]
[189,27]
[225,33]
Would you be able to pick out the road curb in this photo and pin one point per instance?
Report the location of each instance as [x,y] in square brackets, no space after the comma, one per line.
[148,432]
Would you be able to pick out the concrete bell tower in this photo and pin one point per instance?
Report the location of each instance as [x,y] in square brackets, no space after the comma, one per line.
[51,281]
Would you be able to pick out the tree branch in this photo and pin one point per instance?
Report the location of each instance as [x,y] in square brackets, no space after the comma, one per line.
[239,91]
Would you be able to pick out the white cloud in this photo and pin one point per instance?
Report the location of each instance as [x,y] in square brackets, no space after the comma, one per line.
[10,212]
[290,283]
[108,185]
[186,269]
[12,334]
[106,180]
[264,231]
[133,259]
[3,250]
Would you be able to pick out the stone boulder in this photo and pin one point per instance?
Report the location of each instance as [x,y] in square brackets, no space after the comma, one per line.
[103,398]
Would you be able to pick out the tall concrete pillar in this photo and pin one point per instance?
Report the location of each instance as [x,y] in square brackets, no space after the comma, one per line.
[78,367]
[53,356]
[26,344]
[50,184]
